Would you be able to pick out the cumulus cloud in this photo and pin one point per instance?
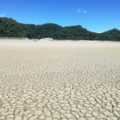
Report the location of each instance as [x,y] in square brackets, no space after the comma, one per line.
[82,11]
[79,10]
[2,15]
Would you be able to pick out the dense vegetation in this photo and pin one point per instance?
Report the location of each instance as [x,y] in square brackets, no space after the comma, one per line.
[11,28]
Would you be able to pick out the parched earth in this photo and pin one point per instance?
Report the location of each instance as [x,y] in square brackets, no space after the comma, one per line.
[60,82]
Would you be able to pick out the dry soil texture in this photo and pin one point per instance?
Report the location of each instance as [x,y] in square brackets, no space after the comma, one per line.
[59,80]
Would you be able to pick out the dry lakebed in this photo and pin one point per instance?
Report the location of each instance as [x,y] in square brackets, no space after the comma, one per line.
[59,80]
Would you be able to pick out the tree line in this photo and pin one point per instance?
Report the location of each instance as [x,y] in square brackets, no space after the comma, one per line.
[11,28]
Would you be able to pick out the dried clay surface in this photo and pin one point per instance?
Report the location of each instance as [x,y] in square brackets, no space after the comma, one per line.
[59,80]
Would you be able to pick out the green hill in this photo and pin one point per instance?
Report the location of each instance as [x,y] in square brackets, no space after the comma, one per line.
[11,28]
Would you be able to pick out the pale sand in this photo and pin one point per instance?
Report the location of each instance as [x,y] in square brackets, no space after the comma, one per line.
[50,80]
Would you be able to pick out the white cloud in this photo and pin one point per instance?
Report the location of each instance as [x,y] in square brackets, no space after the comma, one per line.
[82,11]
[79,10]
[2,15]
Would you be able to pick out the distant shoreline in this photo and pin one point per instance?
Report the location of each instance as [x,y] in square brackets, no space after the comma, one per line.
[51,39]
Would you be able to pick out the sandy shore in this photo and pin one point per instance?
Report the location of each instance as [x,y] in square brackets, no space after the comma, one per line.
[50,80]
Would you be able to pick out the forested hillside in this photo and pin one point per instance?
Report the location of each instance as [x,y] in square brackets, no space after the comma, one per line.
[11,28]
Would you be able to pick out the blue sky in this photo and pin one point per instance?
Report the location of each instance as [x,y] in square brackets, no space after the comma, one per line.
[95,15]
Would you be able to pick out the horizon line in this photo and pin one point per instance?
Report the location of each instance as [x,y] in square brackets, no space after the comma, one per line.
[59,25]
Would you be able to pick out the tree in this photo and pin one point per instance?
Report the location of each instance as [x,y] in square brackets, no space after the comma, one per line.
[11,28]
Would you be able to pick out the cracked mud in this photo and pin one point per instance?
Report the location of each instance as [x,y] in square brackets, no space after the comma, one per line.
[60,83]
